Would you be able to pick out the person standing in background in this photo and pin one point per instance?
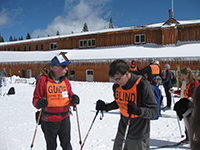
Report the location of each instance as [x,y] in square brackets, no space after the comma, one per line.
[182,107]
[37,77]
[152,72]
[166,80]
[4,75]
[133,66]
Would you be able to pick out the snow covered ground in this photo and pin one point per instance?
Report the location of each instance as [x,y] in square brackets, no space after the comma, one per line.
[18,119]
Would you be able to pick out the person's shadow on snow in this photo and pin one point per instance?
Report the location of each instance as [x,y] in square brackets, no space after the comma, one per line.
[154,143]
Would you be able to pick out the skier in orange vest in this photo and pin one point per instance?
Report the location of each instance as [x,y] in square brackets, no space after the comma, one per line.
[53,93]
[133,66]
[152,71]
[134,96]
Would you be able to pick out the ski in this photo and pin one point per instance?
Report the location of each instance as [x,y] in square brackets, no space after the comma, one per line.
[171,145]
[167,116]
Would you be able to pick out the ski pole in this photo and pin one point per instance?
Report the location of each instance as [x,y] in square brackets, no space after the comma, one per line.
[38,120]
[89,129]
[126,132]
[79,132]
[178,119]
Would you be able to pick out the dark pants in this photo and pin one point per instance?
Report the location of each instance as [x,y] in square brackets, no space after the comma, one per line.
[168,95]
[53,129]
[130,144]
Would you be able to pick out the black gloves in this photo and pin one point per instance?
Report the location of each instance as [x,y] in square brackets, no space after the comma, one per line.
[75,99]
[133,109]
[181,107]
[100,105]
[42,103]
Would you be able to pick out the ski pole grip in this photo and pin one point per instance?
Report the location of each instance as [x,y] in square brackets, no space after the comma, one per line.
[97,112]
[74,107]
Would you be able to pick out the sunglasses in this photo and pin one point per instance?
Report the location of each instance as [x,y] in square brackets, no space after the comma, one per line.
[63,66]
[117,79]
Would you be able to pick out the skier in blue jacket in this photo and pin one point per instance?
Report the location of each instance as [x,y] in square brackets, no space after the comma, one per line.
[166,80]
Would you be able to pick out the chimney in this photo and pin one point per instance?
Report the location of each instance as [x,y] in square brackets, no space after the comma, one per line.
[170,16]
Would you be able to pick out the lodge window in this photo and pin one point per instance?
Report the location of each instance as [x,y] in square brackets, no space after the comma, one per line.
[8,49]
[36,47]
[29,72]
[72,75]
[23,73]
[66,75]
[82,43]
[14,49]
[18,49]
[89,75]
[42,48]
[53,46]
[91,42]
[4,49]
[24,48]
[140,38]
[29,48]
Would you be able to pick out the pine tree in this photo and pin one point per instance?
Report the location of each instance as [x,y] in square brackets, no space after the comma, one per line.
[85,27]
[11,38]
[1,38]
[15,39]
[57,33]
[28,36]
[111,23]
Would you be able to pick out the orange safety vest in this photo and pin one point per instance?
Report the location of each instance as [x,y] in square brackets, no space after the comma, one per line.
[57,94]
[186,90]
[133,69]
[165,74]
[155,69]
[123,97]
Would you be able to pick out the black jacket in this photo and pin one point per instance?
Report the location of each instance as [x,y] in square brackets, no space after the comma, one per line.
[139,128]
[147,70]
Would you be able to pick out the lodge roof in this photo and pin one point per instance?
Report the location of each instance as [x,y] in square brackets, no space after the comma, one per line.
[189,51]
[154,25]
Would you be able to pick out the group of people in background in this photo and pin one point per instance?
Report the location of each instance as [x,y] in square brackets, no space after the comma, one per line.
[43,72]
[3,75]
[188,107]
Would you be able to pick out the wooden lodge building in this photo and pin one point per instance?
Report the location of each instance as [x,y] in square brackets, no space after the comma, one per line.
[86,49]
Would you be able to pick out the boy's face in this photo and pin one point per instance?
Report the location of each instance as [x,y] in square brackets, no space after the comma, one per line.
[121,79]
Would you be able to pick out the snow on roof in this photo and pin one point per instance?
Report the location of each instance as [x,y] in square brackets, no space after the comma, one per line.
[188,51]
[195,21]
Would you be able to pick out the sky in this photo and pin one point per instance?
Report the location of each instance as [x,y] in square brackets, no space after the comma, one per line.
[41,18]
